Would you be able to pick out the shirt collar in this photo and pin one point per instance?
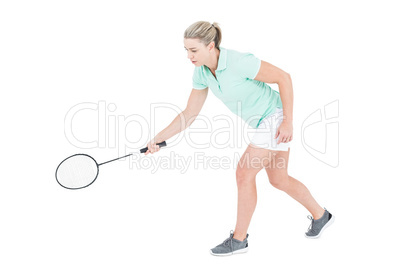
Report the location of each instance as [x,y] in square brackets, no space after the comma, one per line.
[222,59]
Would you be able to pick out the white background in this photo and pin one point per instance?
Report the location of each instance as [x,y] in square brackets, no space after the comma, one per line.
[57,54]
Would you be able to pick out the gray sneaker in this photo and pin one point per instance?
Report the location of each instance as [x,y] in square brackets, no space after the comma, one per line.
[317,226]
[230,246]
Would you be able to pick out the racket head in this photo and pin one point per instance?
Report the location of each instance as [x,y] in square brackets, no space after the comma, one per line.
[77,171]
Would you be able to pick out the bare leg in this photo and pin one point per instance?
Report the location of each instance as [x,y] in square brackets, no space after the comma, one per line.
[275,163]
[251,162]
[279,178]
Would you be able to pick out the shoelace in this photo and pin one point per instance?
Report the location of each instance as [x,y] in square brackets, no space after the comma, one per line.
[311,224]
[226,242]
[312,221]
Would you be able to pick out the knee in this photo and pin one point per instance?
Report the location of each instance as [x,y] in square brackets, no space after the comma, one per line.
[242,176]
[280,182]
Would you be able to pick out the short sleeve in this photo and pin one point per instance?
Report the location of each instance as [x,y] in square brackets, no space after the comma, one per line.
[199,81]
[248,66]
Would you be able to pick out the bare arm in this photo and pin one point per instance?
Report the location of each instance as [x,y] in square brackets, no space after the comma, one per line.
[182,121]
[269,73]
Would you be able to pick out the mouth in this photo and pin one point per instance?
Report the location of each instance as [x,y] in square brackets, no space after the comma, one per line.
[193,61]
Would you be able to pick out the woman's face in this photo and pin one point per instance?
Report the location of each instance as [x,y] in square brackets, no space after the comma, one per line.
[197,52]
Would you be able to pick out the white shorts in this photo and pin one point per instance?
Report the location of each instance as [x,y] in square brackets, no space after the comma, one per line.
[264,136]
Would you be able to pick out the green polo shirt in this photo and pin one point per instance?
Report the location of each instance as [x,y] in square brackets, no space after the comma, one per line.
[235,86]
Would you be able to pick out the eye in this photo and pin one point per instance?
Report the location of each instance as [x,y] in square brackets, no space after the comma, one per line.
[191,50]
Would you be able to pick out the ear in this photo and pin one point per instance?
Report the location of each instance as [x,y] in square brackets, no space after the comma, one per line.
[211,46]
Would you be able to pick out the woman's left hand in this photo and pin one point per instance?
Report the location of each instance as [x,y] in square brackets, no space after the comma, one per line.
[284,132]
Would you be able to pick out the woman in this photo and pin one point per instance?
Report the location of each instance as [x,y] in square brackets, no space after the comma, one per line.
[240,78]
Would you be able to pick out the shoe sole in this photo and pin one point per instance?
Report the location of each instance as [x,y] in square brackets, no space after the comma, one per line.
[331,221]
[239,251]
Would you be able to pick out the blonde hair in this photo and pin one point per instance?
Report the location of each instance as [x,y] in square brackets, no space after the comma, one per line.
[205,31]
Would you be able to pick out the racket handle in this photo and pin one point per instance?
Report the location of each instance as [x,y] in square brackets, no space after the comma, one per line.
[162,144]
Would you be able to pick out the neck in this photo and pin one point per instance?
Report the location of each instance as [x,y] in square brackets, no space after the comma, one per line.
[213,63]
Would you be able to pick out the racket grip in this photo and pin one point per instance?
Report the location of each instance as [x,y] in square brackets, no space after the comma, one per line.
[162,144]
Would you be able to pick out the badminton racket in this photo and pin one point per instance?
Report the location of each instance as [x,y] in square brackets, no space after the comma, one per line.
[81,170]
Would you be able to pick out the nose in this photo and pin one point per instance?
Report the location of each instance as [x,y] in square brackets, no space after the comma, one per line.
[189,55]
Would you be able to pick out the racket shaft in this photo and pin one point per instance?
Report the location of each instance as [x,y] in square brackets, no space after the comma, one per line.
[114,159]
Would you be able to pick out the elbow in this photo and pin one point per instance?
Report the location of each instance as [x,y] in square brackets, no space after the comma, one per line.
[285,78]
[189,117]
[190,114]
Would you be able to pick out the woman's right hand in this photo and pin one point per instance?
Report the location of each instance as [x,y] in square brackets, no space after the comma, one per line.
[152,147]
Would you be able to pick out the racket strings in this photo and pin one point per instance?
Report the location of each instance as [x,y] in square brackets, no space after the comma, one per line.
[77,171]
